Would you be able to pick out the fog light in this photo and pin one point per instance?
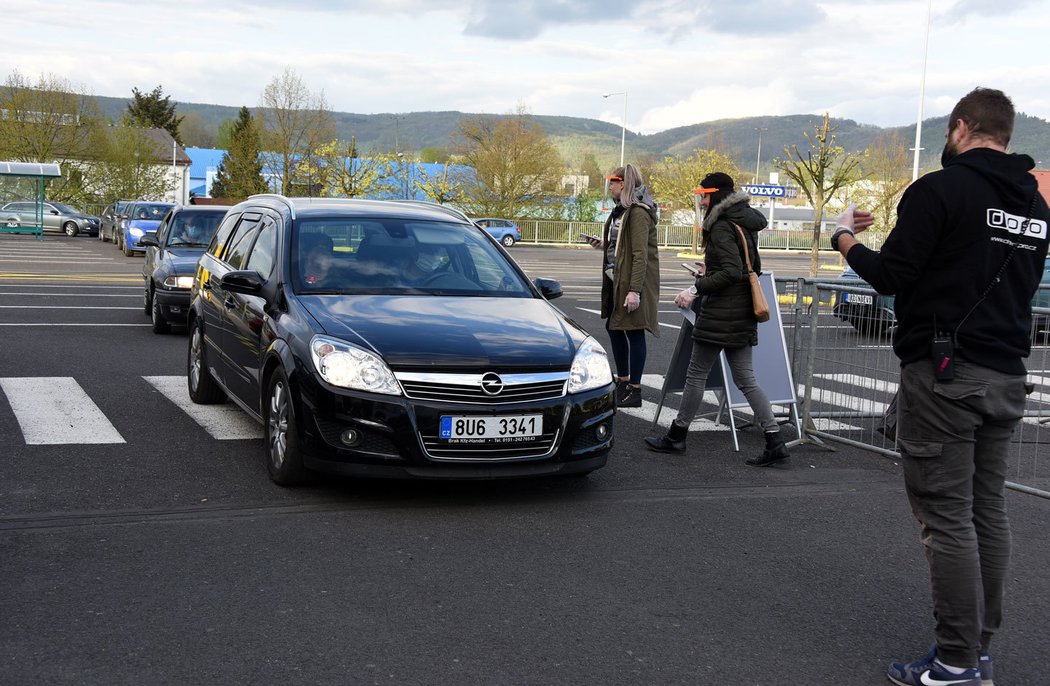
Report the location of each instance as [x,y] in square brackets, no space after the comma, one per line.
[350,437]
[601,431]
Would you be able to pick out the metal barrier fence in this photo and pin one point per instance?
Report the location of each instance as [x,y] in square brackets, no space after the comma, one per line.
[847,376]
[669,235]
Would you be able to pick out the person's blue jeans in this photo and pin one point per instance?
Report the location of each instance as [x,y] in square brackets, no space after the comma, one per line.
[954,439]
[628,350]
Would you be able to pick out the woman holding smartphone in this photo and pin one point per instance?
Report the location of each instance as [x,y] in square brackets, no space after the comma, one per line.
[630,279]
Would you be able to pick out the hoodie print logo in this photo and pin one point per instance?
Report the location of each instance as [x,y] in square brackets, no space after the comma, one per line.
[1011,223]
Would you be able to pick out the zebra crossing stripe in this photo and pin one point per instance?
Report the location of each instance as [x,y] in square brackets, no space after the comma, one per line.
[225,422]
[55,410]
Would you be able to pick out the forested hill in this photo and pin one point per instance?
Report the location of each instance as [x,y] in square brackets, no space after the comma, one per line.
[575,137]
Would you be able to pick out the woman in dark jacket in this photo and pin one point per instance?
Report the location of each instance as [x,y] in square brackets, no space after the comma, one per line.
[726,319]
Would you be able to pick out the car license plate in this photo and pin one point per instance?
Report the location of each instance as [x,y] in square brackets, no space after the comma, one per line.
[857,298]
[502,429]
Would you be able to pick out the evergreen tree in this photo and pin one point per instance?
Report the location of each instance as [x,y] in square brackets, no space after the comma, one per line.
[240,172]
[154,110]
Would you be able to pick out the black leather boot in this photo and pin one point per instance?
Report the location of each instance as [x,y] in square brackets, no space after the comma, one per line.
[671,442]
[776,450]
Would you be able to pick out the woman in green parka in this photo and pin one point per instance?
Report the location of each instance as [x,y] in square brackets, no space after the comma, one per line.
[726,318]
[630,279]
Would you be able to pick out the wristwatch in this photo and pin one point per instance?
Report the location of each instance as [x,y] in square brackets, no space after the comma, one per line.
[838,232]
[692,290]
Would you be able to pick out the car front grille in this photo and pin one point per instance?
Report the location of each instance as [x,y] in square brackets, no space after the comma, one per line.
[483,389]
[488,452]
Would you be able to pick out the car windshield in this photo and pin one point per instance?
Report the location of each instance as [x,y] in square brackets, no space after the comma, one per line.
[150,212]
[347,255]
[66,209]
[193,229]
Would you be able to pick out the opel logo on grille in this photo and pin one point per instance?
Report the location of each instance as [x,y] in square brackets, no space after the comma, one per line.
[491,384]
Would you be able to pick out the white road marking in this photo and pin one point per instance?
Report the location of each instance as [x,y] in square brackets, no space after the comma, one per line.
[55,410]
[226,422]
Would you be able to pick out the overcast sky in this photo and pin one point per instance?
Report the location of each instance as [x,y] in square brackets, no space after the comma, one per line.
[680,61]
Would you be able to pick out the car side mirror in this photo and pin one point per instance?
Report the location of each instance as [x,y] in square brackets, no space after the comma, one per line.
[55,212]
[548,288]
[247,282]
[149,238]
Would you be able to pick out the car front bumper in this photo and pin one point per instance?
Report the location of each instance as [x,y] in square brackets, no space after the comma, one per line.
[174,305]
[396,437]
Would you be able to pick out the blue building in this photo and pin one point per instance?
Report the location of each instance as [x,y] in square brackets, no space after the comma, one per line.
[204,164]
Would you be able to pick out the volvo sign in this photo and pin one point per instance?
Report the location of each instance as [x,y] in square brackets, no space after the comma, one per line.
[764,191]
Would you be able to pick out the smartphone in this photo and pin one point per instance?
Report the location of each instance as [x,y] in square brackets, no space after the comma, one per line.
[588,237]
[691,269]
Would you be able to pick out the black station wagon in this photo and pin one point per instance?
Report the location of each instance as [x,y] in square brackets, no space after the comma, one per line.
[390,339]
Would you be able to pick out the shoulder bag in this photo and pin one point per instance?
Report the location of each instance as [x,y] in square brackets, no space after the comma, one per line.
[758,298]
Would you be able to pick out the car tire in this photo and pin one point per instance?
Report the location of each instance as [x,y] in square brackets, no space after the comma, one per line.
[147,300]
[507,241]
[127,251]
[12,223]
[160,324]
[71,229]
[284,460]
[202,387]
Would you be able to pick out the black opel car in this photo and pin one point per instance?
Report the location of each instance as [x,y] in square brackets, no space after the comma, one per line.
[390,339]
[171,261]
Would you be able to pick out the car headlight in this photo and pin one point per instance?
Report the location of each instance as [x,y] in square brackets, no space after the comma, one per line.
[590,369]
[137,233]
[179,282]
[348,366]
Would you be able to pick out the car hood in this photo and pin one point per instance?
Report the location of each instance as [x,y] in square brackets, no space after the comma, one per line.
[182,261]
[451,331]
[144,224]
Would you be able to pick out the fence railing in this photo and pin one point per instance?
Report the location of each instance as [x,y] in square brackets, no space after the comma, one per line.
[847,376]
[669,235]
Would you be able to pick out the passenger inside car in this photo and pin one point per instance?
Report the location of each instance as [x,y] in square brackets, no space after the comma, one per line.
[315,254]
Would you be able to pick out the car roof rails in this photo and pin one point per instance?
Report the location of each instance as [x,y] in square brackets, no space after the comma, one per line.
[277,196]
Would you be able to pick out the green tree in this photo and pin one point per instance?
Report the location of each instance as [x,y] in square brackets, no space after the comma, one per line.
[295,123]
[240,172]
[674,178]
[447,186]
[194,132]
[126,165]
[516,166]
[336,169]
[154,110]
[432,155]
[820,172]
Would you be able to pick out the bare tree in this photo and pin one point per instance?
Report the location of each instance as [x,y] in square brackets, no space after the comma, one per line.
[44,121]
[295,122]
[887,172]
[515,164]
[820,172]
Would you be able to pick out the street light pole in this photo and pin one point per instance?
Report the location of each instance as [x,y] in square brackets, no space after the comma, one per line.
[758,160]
[922,94]
[623,130]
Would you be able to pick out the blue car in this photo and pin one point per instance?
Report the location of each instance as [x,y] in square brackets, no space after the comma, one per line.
[138,219]
[870,314]
[503,230]
[873,314]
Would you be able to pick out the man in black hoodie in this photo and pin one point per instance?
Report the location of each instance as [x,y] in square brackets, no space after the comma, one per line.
[964,261]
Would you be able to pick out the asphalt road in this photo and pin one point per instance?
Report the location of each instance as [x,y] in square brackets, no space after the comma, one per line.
[150,547]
